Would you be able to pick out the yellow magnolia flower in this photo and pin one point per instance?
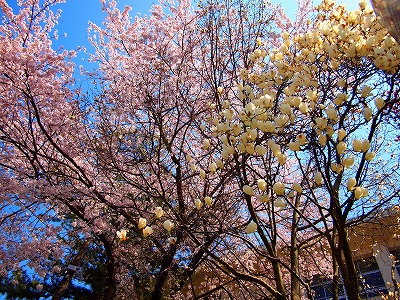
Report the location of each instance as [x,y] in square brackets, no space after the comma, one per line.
[248,190]
[158,212]
[261,150]
[281,158]
[302,139]
[322,139]
[122,234]
[379,103]
[264,198]
[142,223]
[212,168]
[147,231]
[370,155]
[348,162]
[341,146]
[357,145]
[262,185]
[297,187]
[208,201]
[206,144]
[251,227]
[202,174]
[294,146]
[280,203]
[351,183]
[318,178]
[279,188]
[168,225]
[198,203]
[367,113]
[341,134]
[365,145]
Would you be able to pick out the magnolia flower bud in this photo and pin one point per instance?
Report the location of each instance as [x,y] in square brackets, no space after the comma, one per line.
[281,158]
[248,190]
[122,234]
[358,192]
[322,139]
[348,162]
[294,146]
[365,145]
[302,139]
[262,185]
[280,203]
[193,167]
[212,168]
[159,212]
[220,164]
[261,150]
[303,107]
[198,203]
[220,90]
[379,103]
[341,134]
[269,126]
[318,178]
[332,113]
[279,188]
[206,144]
[370,156]
[321,123]
[168,225]
[147,231]
[367,113]
[208,201]
[142,223]
[188,157]
[264,198]
[351,183]
[357,145]
[251,227]
[297,187]
[202,174]
[341,146]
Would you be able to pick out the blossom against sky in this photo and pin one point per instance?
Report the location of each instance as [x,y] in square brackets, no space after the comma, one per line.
[77,13]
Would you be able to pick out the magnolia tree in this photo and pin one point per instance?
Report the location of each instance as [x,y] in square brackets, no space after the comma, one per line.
[310,140]
[227,154]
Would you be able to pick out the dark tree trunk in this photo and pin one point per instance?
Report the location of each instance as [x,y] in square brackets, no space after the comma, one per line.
[63,287]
